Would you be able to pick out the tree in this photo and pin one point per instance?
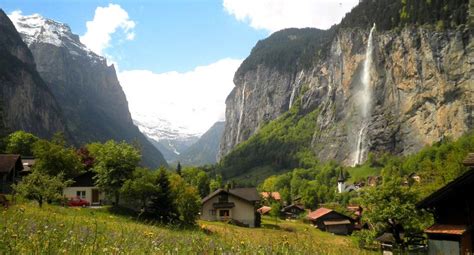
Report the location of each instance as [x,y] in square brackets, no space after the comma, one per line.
[275,211]
[115,163]
[20,142]
[54,159]
[197,178]
[162,201]
[41,187]
[178,169]
[140,187]
[393,203]
[215,183]
[188,204]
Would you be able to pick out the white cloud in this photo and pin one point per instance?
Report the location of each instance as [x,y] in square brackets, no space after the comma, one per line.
[191,101]
[106,21]
[274,15]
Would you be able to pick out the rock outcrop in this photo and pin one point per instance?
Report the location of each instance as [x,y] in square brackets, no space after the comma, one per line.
[86,87]
[26,103]
[421,80]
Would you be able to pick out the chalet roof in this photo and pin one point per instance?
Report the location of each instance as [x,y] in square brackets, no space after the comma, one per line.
[293,205]
[469,160]
[9,162]
[336,222]
[264,209]
[460,184]
[275,195]
[446,229]
[84,180]
[318,213]
[247,194]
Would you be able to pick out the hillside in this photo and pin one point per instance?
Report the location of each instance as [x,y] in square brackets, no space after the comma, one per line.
[204,151]
[26,102]
[56,230]
[390,88]
[85,86]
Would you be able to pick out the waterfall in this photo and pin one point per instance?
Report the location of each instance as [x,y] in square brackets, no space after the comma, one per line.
[365,100]
[242,104]
[295,86]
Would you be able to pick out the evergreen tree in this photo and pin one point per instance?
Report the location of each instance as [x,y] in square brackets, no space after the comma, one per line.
[178,169]
[162,201]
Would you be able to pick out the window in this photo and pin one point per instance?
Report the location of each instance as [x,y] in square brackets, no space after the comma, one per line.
[224,213]
[81,193]
[212,212]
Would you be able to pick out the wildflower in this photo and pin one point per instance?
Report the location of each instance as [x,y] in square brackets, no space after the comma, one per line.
[14,235]
[61,225]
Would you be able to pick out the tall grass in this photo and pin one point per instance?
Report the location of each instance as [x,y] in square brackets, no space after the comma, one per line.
[26,229]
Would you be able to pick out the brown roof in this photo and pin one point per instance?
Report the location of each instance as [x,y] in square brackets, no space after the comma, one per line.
[248,194]
[337,222]
[8,162]
[318,213]
[469,160]
[275,195]
[446,229]
[264,209]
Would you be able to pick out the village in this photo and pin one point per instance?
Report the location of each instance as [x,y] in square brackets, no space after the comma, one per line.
[451,205]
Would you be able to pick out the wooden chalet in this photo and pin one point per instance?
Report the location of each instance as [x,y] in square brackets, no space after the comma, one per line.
[10,168]
[292,211]
[331,221]
[453,208]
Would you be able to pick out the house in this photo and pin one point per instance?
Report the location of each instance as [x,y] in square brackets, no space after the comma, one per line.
[28,163]
[267,196]
[453,208]
[264,210]
[234,204]
[331,221]
[85,188]
[10,168]
[292,211]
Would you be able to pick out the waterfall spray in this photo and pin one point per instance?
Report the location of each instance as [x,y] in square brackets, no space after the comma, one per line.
[295,86]
[365,100]
[242,104]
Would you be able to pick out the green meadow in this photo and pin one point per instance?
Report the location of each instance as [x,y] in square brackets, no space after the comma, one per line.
[27,229]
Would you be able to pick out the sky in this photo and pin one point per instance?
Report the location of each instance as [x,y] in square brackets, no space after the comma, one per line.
[176,58]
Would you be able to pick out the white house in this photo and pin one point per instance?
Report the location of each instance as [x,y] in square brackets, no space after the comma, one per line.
[84,188]
[236,204]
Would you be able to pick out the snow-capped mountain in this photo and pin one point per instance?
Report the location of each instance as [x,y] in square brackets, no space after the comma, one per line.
[170,139]
[86,88]
[38,29]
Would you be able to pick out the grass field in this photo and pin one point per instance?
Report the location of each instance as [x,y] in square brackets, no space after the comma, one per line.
[27,229]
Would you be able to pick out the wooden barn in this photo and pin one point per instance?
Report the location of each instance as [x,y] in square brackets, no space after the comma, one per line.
[331,221]
[453,208]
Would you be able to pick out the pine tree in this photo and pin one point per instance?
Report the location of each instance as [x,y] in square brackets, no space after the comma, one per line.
[178,169]
[162,205]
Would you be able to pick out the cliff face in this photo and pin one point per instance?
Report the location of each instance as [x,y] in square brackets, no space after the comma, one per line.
[26,102]
[204,151]
[87,89]
[421,84]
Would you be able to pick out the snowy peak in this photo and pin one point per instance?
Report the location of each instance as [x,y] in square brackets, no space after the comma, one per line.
[38,29]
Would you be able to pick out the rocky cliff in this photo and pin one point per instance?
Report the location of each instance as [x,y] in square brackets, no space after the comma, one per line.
[26,102]
[87,89]
[421,84]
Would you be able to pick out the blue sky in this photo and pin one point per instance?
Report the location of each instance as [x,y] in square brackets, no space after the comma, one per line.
[170,35]
[176,59]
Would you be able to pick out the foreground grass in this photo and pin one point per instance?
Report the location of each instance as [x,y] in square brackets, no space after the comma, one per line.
[27,229]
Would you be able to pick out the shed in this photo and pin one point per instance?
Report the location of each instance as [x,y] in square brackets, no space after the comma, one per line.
[292,211]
